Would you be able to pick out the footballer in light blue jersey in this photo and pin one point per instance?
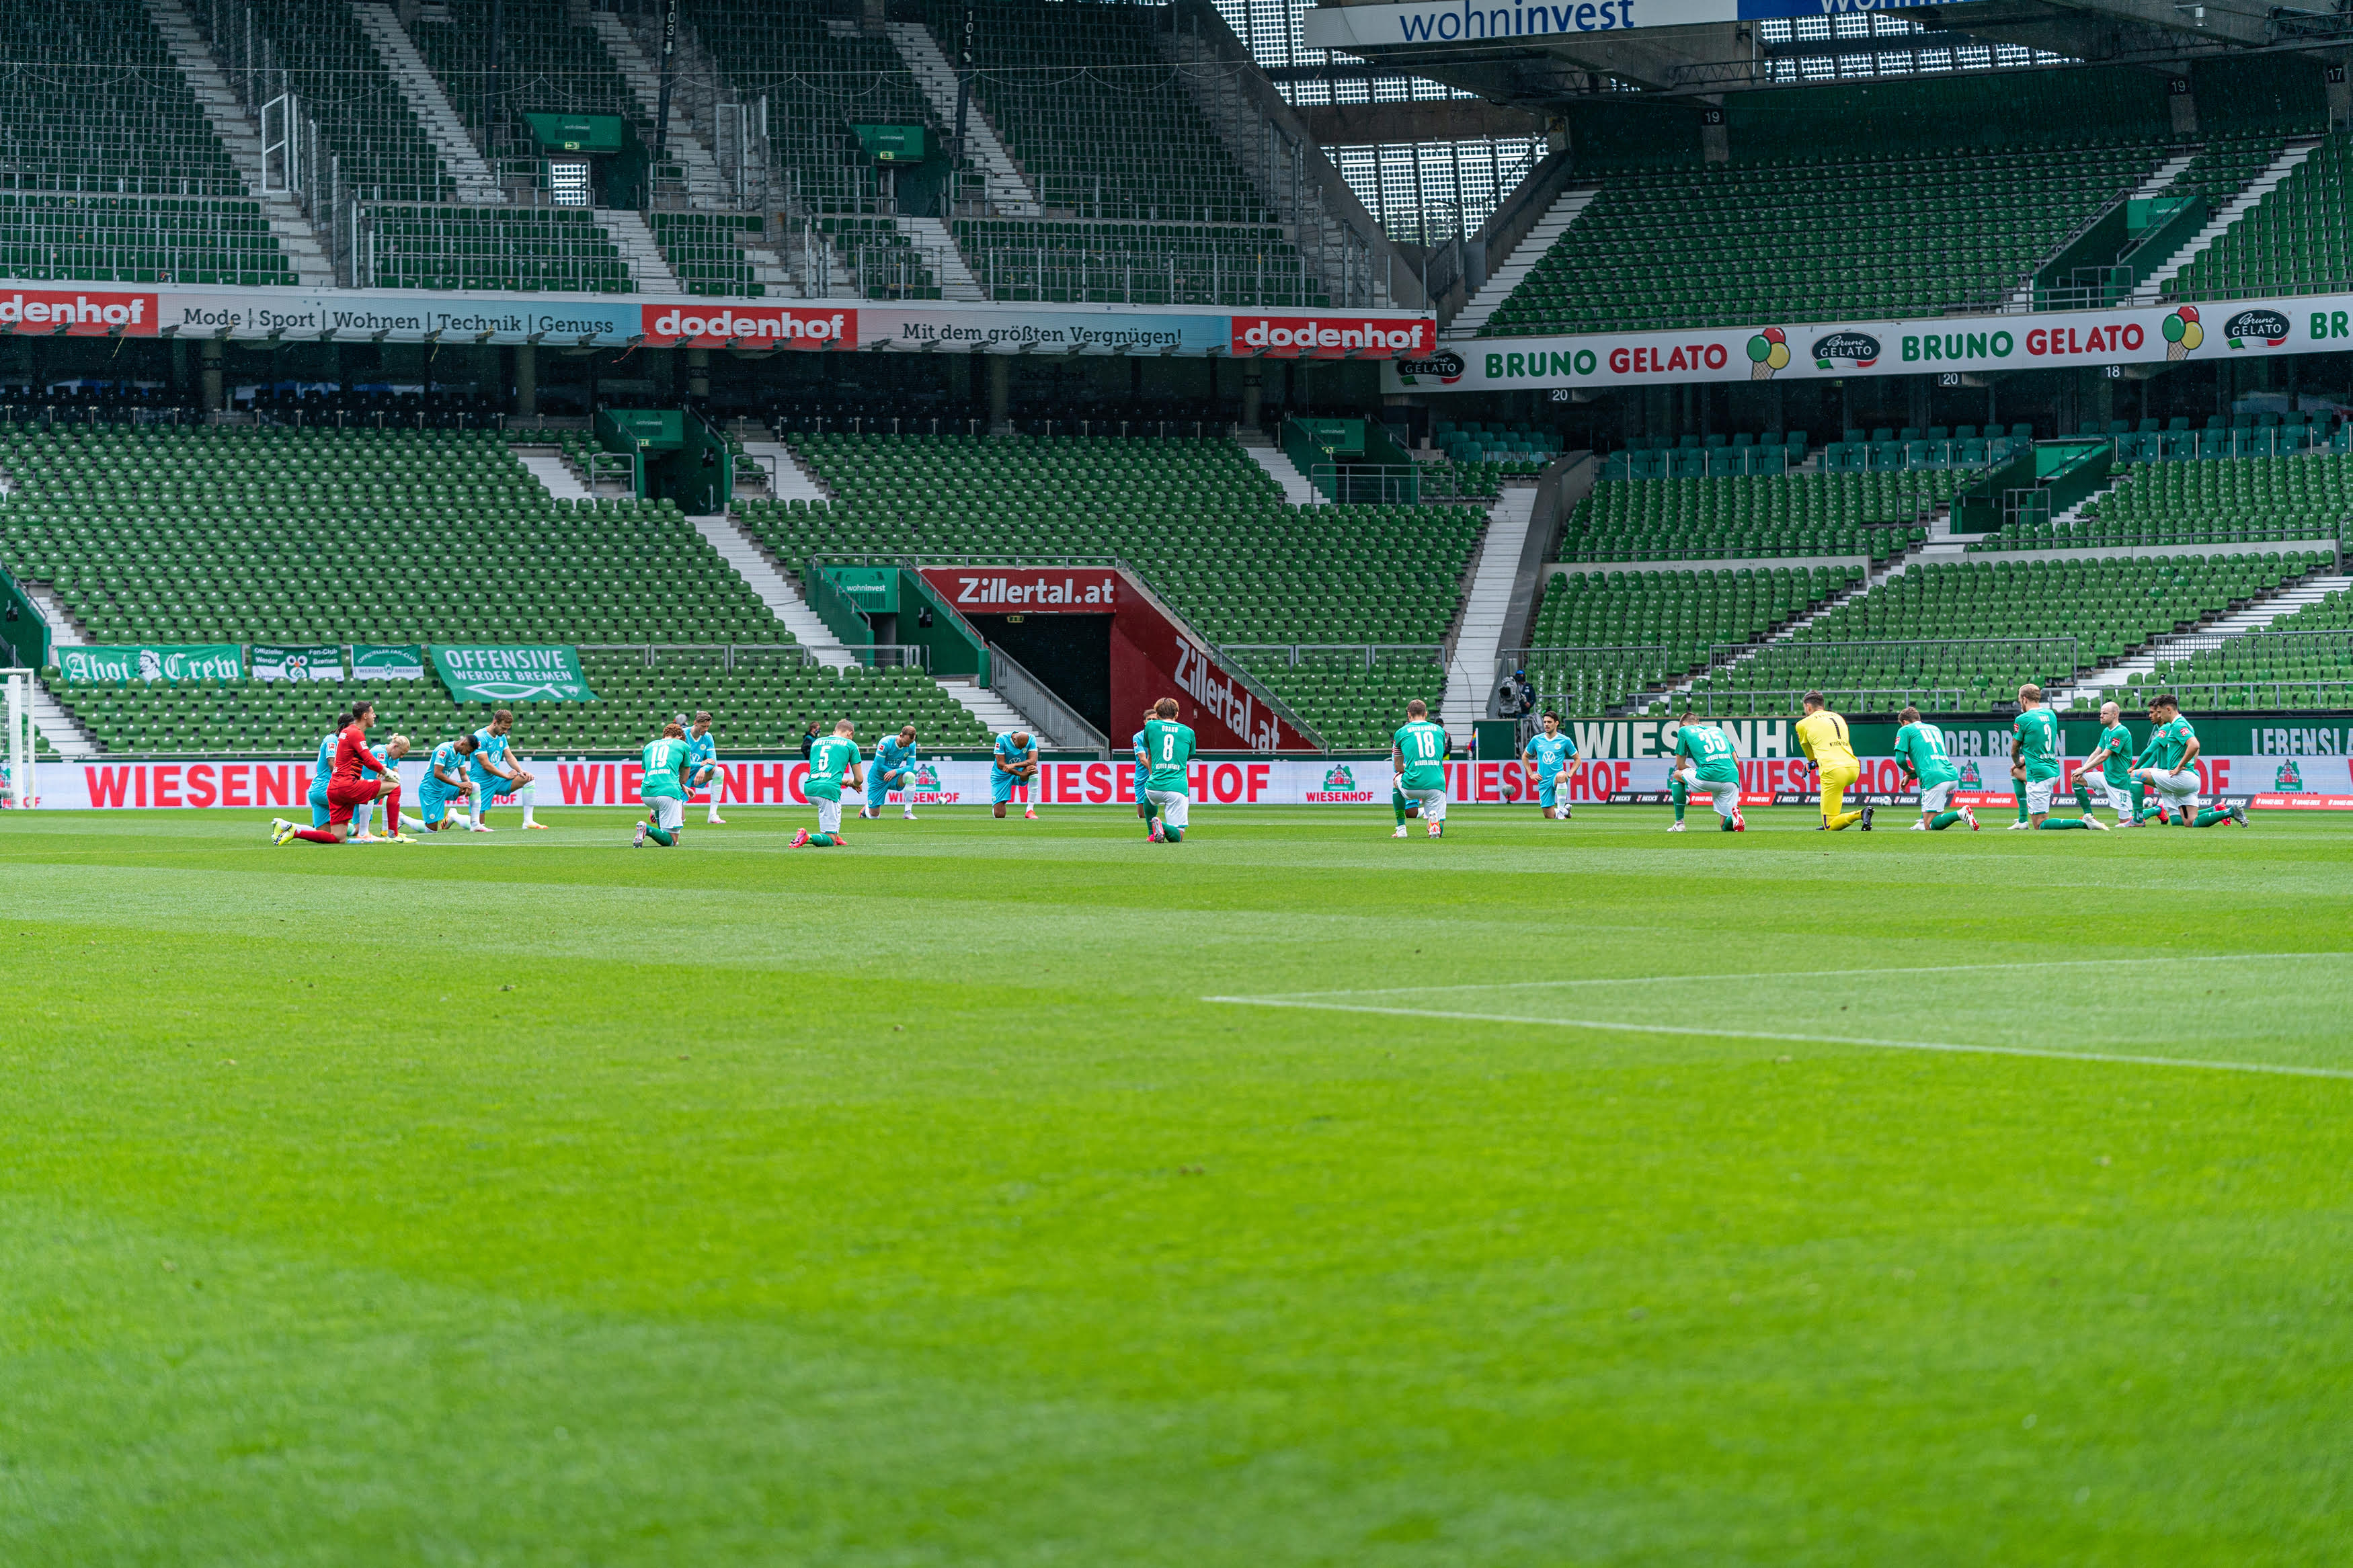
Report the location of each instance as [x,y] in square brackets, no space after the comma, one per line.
[1142,766]
[1013,767]
[1550,755]
[324,771]
[446,784]
[894,768]
[702,766]
[493,771]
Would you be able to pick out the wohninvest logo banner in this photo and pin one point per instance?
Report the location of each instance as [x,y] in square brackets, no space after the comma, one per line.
[1462,21]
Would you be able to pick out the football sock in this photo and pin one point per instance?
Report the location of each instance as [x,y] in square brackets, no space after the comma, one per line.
[2083,795]
[1397,804]
[1723,825]
[1844,819]
[661,836]
[1675,787]
[316,835]
[1174,834]
[530,793]
[2021,806]
[1943,820]
[820,841]
[2049,823]
[2209,816]
[2140,800]
[363,819]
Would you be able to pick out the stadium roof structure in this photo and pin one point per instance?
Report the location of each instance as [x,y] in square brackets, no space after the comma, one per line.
[1546,56]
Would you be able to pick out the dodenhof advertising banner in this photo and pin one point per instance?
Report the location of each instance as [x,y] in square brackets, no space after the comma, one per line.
[272,662]
[387,661]
[118,663]
[479,673]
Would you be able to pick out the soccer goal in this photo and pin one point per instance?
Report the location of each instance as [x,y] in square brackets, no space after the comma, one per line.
[18,788]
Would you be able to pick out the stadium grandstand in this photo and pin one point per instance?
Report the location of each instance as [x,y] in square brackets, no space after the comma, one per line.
[1611,373]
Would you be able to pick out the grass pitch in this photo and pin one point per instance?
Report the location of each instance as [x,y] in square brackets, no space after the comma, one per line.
[1010,1192]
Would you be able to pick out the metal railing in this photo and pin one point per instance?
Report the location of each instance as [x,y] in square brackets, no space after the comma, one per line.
[1791,700]
[1294,654]
[2185,646]
[2043,660]
[731,656]
[1393,484]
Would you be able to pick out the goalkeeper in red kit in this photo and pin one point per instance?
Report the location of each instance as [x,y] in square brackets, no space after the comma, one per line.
[347,788]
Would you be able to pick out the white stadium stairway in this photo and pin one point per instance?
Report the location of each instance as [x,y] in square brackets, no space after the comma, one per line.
[1471,673]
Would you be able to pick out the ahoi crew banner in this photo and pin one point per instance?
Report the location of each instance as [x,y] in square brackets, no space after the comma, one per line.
[566,321]
[1792,351]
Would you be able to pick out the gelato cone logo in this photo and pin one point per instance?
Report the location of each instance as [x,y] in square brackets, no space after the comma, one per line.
[2289,777]
[1768,351]
[2182,332]
[2268,327]
[1340,777]
[1859,350]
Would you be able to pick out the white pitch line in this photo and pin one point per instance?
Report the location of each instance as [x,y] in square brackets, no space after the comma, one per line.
[1821,973]
[1938,1046]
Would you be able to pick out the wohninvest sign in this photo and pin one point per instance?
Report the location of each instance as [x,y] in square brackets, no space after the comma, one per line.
[1465,21]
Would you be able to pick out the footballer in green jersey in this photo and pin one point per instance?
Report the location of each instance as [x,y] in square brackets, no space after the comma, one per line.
[1417,753]
[2107,773]
[2172,771]
[666,758]
[2034,764]
[1921,748]
[833,765]
[1170,747]
[1700,760]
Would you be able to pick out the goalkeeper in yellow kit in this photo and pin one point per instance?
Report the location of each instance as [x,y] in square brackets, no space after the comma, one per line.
[1821,735]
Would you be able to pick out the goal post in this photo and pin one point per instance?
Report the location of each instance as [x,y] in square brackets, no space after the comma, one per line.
[19,789]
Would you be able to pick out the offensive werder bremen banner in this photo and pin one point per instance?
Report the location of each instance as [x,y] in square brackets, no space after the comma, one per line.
[272,662]
[508,673]
[151,661]
[387,661]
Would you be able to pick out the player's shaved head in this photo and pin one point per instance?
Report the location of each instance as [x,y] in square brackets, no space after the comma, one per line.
[1416,708]
[1166,707]
[1021,738]
[2110,712]
[906,731]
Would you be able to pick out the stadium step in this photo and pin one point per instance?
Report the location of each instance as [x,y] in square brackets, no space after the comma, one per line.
[1564,211]
[2231,212]
[788,480]
[1495,572]
[64,630]
[636,243]
[1280,469]
[776,589]
[704,188]
[2297,594]
[477,185]
[289,224]
[65,735]
[1008,188]
[547,466]
[940,254]
[2157,184]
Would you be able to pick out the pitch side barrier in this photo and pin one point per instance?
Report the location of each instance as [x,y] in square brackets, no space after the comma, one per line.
[2286,761]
